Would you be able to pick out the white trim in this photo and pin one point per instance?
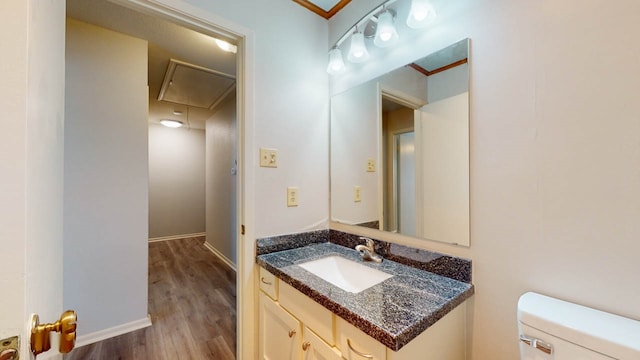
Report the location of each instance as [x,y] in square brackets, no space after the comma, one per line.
[221,256]
[401,97]
[113,332]
[176,237]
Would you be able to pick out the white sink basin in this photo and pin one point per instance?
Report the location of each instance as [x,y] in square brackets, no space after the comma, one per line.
[346,274]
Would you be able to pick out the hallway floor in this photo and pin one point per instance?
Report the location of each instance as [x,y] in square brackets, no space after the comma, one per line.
[192,302]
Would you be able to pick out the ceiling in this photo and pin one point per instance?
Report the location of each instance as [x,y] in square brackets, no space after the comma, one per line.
[167,41]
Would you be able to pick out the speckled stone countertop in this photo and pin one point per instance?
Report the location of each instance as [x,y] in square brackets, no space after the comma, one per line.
[394,311]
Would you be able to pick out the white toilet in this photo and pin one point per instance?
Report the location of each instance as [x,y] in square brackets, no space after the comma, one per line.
[554,329]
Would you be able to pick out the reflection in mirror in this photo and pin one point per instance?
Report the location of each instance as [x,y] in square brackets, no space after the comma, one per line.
[400,149]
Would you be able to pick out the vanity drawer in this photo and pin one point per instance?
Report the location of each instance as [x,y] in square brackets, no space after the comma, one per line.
[356,345]
[268,283]
[312,314]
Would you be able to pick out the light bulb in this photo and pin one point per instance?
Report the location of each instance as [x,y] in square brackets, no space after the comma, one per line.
[421,14]
[336,64]
[358,51]
[386,34]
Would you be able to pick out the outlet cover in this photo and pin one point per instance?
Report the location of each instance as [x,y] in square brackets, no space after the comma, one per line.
[292,196]
[357,194]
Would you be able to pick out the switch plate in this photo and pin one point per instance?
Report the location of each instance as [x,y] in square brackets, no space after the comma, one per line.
[357,194]
[371,165]
[268,158]
[292,196]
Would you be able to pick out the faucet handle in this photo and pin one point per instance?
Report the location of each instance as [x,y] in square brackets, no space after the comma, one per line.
[370,243]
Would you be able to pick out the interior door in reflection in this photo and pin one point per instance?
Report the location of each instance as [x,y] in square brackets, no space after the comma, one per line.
[405,178]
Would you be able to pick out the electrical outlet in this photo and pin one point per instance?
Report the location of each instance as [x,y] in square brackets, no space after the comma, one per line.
[292,196]
[371,165]
[268,158]
[357,194]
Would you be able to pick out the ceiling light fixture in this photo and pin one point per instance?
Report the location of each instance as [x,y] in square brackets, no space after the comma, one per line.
[171,123]
[421,14]
[336,64]
[226,46]
[358,51]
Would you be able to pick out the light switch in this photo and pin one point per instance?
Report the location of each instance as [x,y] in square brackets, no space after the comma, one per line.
[268,157]
[292,196]
[371,165]
[357,194]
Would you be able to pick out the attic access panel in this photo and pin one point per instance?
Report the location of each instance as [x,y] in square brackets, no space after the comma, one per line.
[193,85]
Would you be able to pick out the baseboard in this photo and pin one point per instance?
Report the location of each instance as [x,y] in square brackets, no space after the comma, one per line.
[113,332]
[221,256]
[176,237]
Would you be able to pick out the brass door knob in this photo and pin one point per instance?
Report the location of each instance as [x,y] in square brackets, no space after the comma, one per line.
[66,326]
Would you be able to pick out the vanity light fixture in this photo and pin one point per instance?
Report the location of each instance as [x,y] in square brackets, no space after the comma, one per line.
[421,14]
[171,123]
[386,33]
[336,64]
[378,25]
[358,51]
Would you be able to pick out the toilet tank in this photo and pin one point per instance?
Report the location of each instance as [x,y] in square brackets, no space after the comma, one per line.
[552,329]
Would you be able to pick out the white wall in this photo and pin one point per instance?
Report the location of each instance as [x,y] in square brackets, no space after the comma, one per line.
[105,178]
[356,132]
[31,150]
[554,155]
[176,181]
[221,170]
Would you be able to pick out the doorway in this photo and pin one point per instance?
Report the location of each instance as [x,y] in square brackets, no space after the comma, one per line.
[104,251]
[399,166]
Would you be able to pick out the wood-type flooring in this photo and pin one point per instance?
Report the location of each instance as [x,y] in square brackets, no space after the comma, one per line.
[192,303]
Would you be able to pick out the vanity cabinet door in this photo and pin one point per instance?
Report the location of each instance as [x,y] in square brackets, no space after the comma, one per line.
[280,332]
[314,348]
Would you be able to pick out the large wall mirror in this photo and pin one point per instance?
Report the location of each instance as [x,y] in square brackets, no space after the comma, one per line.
[400,149]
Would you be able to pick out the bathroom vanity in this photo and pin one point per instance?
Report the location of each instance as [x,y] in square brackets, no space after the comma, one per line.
[413,314]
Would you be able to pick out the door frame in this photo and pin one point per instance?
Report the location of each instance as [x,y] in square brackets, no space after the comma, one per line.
[205,22]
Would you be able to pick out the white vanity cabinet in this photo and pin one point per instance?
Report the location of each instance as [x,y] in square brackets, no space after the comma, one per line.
[294,326]
[307,335]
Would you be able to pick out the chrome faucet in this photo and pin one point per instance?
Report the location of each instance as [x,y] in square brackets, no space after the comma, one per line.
[368,252]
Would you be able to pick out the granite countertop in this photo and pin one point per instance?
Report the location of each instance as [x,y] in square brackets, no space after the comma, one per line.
[393,312]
